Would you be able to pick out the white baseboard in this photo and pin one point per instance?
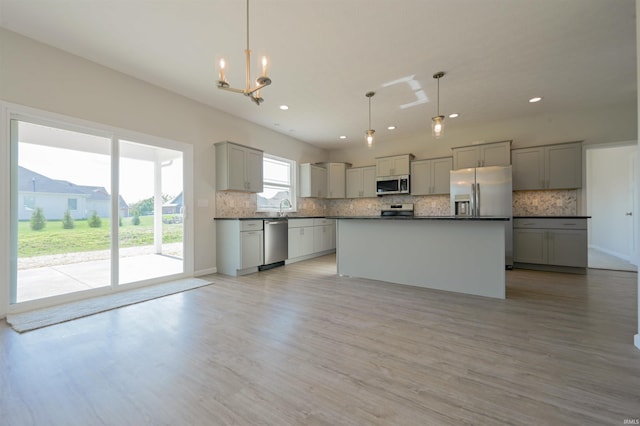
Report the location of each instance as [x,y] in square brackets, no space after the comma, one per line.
[626,258]
[202,272]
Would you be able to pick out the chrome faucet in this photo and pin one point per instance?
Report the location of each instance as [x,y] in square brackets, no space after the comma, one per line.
[286,203]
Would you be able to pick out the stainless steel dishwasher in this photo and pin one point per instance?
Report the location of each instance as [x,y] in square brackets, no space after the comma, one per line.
[276,242]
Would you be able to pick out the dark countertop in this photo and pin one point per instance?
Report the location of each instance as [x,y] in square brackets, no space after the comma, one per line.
[269,217]
[488,218]
[552,217]
[460,218]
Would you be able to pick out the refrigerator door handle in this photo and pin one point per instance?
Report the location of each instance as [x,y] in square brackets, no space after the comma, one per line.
[477,212]
[472,207]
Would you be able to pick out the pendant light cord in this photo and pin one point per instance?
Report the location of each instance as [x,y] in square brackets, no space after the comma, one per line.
[438,96]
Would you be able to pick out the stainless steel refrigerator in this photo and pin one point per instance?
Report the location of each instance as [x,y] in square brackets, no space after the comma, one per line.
[485,192]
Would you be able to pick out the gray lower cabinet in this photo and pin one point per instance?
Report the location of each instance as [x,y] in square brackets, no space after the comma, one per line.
[239,246]
[300,237]
[550,244]
[251,243]
[310,237]
[324,235]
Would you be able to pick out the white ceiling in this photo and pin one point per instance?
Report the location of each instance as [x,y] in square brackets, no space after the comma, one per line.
[326,54]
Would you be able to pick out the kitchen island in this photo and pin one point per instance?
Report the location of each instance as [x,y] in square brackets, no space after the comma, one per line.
[465,255]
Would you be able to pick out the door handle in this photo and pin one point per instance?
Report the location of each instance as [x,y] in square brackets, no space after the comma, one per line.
[628,214]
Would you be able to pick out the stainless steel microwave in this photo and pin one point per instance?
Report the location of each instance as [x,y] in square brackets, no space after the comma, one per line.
[392,185]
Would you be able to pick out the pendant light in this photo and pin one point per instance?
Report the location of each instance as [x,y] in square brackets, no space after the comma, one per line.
[252,92]
[437,122]
[370,132]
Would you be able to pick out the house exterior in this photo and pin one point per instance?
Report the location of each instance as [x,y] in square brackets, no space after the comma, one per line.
[55,197]
[174,206]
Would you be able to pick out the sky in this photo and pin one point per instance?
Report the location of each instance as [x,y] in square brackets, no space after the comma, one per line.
[83,159]
[83,168]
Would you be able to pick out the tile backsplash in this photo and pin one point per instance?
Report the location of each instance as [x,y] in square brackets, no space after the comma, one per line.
[235,204]
[525,203]
[242,204]
[545,203]
[433,205]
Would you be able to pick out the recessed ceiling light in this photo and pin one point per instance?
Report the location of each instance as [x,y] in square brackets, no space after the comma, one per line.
[454,115]
[536,99]
[391,128]
[284,107]
[343,137]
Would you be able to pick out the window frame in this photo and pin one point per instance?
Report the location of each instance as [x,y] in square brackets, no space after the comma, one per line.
[291,187]
[71,201]
[29,202]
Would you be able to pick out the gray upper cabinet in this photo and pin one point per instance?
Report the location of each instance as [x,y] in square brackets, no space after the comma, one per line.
[430,177]
[238,168]
[528,168]
[548,167]
[361,182]
[563,166]
[336,179]
[323,180]
[313,181]
[396,165]
[485,155]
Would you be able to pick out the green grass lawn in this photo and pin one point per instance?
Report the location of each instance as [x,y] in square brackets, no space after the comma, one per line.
[53,239]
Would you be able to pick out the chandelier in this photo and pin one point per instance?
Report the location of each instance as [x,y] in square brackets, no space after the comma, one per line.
[252,92]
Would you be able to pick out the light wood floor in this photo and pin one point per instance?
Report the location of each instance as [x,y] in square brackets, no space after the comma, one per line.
[300,345]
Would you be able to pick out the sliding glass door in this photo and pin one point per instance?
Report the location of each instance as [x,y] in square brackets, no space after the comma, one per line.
[152,220]
[61,211]
[91,211]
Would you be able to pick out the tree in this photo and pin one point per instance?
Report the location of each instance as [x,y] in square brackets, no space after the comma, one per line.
[94,220]
[146,207]
[38,221]
[67,220]
[135,220]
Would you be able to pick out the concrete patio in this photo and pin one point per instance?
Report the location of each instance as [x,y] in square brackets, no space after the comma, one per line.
[47,276]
